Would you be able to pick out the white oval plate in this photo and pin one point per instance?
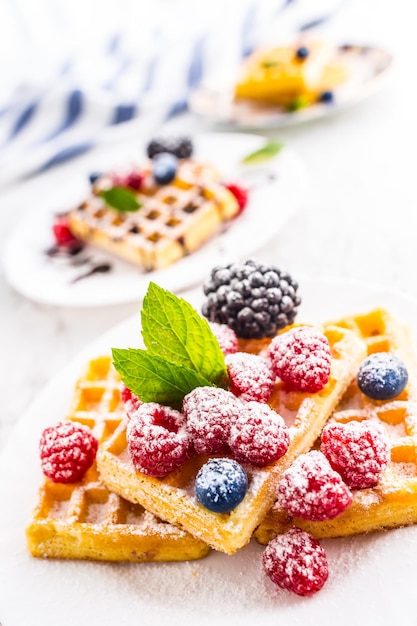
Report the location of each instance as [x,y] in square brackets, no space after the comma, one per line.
[276,187]
[372,578]
[214,101]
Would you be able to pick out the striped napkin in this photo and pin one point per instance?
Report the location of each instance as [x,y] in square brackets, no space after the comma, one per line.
[74,74]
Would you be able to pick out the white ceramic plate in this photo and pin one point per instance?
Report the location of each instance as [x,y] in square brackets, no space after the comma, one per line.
[276,187]
[372,578]
[214,101]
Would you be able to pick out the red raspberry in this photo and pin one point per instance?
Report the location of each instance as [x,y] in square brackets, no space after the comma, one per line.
[312,490]
[158,440]
[129,399]
[359,451]
[133,180]
[251,376]
[63,235]
[240,193]
[259,435]
[67,450]
[297,562]
[225,336]
[301,358]
[210,413]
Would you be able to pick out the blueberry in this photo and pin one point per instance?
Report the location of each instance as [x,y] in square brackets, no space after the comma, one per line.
[221,484]
[164,168]
[302,53]
[94,176]
[382,376]
[327,97]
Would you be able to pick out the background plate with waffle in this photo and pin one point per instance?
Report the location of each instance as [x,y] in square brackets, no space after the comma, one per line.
[277,187]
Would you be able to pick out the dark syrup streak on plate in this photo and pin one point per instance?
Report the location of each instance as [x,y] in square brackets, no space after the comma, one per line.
[72,255]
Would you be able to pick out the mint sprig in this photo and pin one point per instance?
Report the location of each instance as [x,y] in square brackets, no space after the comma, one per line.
[268,151]
[121,199]
[154,379]
[182,352]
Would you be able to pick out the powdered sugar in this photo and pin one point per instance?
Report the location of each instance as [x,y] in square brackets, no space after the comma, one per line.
[226,337]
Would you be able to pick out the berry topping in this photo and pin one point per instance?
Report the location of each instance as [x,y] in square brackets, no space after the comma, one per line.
[255,300]
[382,376]
[164,167]
[181,147]
[63,235]
[327,97]
[251,376]
[241,194]
[297,562]
[158,440]
[220,485]
[301,358]
[129,399]
[226,338]
[359,451]
[259,435]
[67,450]
[210,412]
[302,53]
[312,490]
[133,180]
[94,176]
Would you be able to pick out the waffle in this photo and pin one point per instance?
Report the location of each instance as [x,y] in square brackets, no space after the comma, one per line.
[393,502]
[85,520]
[174,220]
[276,76]
[172,498]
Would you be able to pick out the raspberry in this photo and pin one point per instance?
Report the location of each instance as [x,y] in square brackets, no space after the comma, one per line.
[129,399]
[158,440]
[359,451]
[63,235]
[251,376]
[297,562]
[226,337]
[67,450]
[210,412]
[312,490]
[301,358]
[240,193]
[133,180]
[259,435]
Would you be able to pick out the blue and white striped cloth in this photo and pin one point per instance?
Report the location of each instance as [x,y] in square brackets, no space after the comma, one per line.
[72,74]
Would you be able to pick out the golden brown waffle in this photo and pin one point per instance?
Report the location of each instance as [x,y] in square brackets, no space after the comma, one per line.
[85,520]
[173,499]
[174,219]
[277,76]
[393,502]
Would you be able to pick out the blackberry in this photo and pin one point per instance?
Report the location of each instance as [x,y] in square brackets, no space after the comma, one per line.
[254,299]
[181,147]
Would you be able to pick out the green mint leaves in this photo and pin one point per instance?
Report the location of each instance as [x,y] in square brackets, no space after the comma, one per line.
[121,199]
[181,352]
[268,151]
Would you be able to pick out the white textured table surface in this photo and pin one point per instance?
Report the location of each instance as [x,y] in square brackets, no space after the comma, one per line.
[358,218]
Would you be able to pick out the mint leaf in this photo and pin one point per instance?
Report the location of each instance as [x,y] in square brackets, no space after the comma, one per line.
[172,329]
[154,379]
[121,199]
[268,151]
